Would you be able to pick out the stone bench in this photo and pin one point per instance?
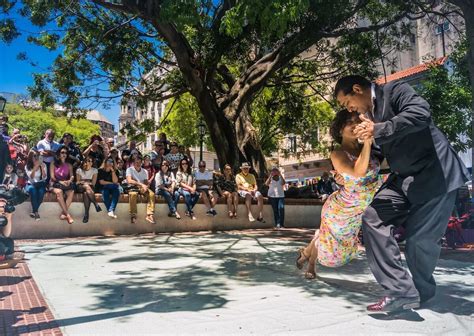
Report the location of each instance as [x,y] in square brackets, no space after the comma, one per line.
[298,213]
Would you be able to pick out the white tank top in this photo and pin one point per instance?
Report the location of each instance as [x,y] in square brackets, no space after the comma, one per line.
[275,189]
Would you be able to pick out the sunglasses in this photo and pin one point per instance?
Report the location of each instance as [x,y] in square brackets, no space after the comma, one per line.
[184,164]
[63,152]
[202,166]
[89,161]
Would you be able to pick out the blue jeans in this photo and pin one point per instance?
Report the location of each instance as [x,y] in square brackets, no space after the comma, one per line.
[110,196]
[278,206]
[189,199]
[36,196]
[169,199]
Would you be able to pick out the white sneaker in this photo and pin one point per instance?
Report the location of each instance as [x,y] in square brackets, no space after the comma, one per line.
[251,219]
[111,214]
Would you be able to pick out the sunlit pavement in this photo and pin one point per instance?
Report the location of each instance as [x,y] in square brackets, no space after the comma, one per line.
[241,282]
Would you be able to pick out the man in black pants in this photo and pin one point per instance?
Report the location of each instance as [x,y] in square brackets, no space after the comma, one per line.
[419,193]
[4,150]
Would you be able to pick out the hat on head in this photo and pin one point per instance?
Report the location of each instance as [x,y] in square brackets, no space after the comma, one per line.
[245,165]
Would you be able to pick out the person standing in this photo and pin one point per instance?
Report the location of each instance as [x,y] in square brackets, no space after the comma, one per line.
[419,194]
[276,196]
[47,149]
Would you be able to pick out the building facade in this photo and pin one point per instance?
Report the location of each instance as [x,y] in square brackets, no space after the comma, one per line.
[107,129]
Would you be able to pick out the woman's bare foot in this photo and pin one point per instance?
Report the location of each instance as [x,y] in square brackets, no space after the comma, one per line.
[302,258]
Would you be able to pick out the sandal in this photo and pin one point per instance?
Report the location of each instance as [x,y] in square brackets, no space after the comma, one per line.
[133,219]
[310,275]
[177,215]
[301,255]
[235,215]
[231,214]
[150,219]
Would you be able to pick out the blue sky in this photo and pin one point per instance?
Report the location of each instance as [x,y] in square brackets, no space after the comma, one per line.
[16,75]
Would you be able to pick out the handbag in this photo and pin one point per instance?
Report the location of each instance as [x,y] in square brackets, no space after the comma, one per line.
[63,187]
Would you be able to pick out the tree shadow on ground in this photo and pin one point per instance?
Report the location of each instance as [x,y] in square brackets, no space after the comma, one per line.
[205,284]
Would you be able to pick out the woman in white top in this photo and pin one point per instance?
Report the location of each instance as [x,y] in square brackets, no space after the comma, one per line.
[276,196]
[86,178]
[37,174]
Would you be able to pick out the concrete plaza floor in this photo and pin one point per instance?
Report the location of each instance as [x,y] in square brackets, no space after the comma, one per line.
[229,283]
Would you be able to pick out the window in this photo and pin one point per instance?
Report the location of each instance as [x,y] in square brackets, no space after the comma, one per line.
[291,143]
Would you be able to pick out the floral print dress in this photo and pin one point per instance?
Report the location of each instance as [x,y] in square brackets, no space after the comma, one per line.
[341,216]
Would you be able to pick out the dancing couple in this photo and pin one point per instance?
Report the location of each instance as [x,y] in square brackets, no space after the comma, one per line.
[419,193]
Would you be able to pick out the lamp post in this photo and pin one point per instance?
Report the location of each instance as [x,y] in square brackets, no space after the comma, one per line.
[3,102]
[202,131]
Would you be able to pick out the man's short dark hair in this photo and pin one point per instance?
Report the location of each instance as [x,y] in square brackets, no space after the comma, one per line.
[346,83]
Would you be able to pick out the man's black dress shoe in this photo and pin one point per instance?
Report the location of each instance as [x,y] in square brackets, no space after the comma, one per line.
[392,304]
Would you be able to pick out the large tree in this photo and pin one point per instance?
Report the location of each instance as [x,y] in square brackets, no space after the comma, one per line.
[224,53]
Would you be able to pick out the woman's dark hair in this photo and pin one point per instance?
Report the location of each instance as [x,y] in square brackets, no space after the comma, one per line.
[29,159]
[346,83]
[189,171]
[342,118]
[89,157]
[57,157]
[231,171]
[94,138]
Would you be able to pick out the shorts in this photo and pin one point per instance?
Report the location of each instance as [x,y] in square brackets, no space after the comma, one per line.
[243,193]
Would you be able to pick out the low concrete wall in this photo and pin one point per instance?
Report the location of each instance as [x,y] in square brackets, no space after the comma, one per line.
[298,213]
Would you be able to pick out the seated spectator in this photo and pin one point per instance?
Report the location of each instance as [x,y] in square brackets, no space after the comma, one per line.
[132,146]
[120,170]
[113,153]
[227,187]
[156,150]
[204,186]
[186,154]
[109,144]
[138,177]
[166,144]
[174,158]
[74,155]
[247,188]
[47,148]
[10,178]
[95,150]
[165,184]
[109,184]
[86,179]
[63,182]
[187,188]
[325,186]
[276,196]
[36,185]
[151,171]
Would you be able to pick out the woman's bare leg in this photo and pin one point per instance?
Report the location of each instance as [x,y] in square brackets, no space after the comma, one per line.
[59,195]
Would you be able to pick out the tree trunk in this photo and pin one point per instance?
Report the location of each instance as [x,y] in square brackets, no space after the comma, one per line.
[234,143]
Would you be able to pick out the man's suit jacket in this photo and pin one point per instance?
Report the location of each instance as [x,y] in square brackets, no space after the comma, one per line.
[423,163]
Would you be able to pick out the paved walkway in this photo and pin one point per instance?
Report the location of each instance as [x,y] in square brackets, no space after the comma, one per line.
[229,283]
[23,310]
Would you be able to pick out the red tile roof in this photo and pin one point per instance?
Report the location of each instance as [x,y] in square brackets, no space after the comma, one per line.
[412,71]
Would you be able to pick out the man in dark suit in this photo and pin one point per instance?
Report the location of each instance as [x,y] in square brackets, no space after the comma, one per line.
[419,193]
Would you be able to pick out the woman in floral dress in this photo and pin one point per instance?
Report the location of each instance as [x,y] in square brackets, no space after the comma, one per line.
[335,243]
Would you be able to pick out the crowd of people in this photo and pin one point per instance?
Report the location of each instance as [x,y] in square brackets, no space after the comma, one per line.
[60,166]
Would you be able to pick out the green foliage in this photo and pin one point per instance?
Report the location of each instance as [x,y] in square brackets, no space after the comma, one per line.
[449,96]
[33,123]
[181,123]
